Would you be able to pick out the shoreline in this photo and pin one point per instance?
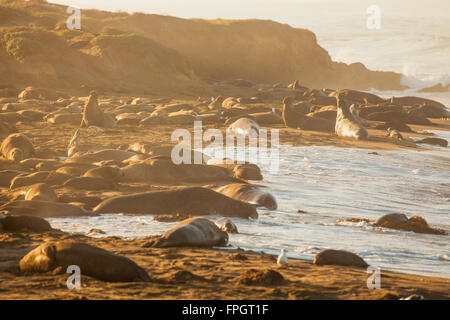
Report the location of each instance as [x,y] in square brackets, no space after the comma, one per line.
[200,273]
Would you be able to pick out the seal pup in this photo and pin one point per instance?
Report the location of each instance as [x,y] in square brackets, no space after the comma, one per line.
[244,126]
[184,201]
[193,232]
[346,125]
[93,262]
[227,225]
[250,194]
[17,147]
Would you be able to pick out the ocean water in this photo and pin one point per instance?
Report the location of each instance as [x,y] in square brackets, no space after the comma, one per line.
[331,183]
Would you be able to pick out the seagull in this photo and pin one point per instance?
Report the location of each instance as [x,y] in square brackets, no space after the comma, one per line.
[282,258]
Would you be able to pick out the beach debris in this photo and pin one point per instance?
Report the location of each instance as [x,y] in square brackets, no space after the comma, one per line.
[261,277]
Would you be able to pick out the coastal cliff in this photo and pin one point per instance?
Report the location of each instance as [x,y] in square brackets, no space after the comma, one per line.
[121,52]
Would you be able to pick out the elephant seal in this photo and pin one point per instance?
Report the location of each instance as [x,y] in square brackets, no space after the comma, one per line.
[94,116]
[400,221]
[193,232]
[106,154]
[19,223]
[435,141]
[42,192]
[394,134]
[17,147]
[250,194]
[185,201]
[346,125]
[246,171]
[90,183]
[292,118]
[357,96]
[106,172]
[48,177]
[244,126]
[400,116]
[93,262]
[227,225]
[339,258]
[161,169]
[7,175]
[44,209]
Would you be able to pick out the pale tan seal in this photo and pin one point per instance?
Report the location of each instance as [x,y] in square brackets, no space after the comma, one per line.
[394,134]
[184,201]
[106,154]
[346,125]
[49,177]
[17,147]
[250,194]
[193,232]
[227,225]
[106,172]
[244,126]
[92,261]
[42,192]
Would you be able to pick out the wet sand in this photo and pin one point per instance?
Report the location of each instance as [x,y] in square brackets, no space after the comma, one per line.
[198,273]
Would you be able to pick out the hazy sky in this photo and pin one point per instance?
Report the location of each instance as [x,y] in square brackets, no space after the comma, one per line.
[287,11]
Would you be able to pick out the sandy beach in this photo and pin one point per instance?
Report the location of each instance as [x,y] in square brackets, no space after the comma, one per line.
[198,273]
[92,106]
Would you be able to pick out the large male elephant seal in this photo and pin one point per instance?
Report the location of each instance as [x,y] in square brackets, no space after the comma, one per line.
[250,194]
[185,201]
[93,262]
[17,147]
[346,125]
[44,209]
[193,232]
[94,116]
